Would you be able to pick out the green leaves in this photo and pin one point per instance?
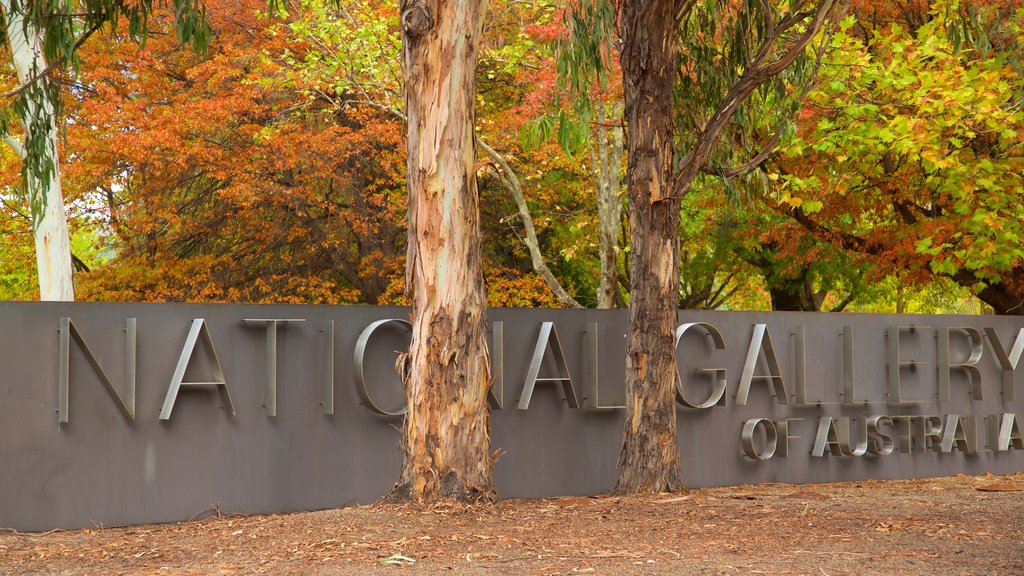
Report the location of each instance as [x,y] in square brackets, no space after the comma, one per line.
[927,132]
[60,27]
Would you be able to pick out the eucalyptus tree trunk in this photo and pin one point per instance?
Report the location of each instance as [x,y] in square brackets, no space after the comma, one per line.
[606,163]
[50,226]
[649,461]
[446,372]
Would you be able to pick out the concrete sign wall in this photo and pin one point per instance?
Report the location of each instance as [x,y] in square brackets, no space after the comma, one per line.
[129,413]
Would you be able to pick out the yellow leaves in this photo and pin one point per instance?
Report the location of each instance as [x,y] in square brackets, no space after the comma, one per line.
[808,205]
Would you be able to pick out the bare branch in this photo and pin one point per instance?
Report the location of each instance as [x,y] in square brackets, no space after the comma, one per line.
[537,259]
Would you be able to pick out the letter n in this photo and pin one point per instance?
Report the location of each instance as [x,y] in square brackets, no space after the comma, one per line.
[69,332]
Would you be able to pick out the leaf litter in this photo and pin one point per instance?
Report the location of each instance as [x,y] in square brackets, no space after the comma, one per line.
[958,525]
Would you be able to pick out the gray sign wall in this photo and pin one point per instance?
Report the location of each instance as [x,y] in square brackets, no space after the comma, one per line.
[850,397]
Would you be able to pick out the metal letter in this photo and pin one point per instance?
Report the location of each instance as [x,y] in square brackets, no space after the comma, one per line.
[800,367]
[1007,361]
[197,331]
[969,367]
[496,393]
[931,434]
[761,340]
[718,392]
[592,401]
[69,332]
[328,396]
[953,433]
[972,430]
[849,381]
[271,328]
[357,366]
[826,438]
[547,336]
[1009,433]
[782,427]
[907,437]
[882,444]
[771,439]
[846,436]
[895,364]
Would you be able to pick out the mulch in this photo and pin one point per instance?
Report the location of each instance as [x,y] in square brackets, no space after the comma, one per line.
[959,525]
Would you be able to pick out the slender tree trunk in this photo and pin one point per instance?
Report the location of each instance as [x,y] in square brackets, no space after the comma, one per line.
[50,225]
[650,450]
[446,373]
[606,160]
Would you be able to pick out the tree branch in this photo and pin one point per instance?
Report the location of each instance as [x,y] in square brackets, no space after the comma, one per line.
[756,75]
[53,65]
[537,259]
[15,145]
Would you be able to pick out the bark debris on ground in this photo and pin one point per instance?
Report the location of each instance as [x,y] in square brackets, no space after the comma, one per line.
[960,525]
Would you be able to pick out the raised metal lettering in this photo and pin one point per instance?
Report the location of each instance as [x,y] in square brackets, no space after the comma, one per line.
[895,364]
[782,429]
[69,333]
[717,396]
[328,382]
[931,434]
[953,434]
[197,331]
[968,367]
[761,341]
[592,401]
[771,438]
[1007,361]
[853,436]
[881,444]
[548,340]
[496,393]
[826,437]
[357,365]
[1009,433]
[271,325]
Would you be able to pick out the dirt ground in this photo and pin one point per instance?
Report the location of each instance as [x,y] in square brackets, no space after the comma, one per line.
[957,526]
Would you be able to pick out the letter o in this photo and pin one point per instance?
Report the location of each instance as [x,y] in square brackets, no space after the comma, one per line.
[357,366]
[771,439]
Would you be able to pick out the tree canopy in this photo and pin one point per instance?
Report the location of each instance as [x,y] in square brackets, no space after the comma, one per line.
[271,166]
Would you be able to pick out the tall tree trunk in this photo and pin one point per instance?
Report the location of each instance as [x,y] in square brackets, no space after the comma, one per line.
[649,460]
[606,161]
[50,226]
[446,373]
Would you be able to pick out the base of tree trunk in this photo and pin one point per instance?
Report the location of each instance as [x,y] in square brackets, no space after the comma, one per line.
[451,488]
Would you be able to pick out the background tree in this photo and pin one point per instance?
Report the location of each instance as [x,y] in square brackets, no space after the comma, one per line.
[42,37]
[922,143]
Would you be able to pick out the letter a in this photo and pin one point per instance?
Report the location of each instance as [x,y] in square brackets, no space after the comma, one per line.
[197,330]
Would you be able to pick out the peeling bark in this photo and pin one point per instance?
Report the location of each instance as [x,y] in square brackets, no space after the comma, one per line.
[649,461]
[446,372]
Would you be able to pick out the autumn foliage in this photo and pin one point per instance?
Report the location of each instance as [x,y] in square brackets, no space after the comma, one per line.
[271,167]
